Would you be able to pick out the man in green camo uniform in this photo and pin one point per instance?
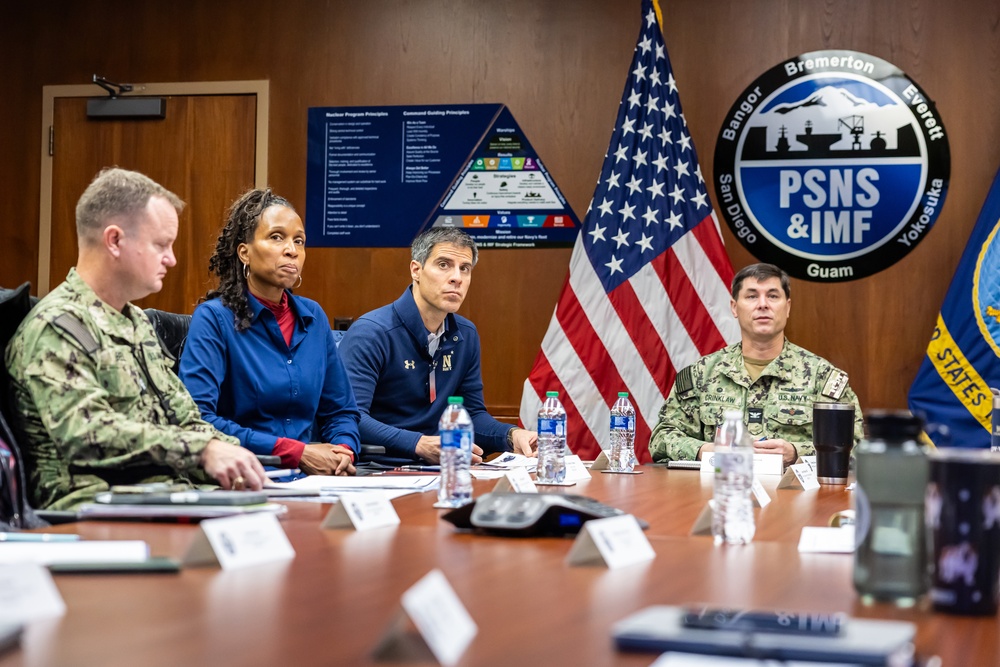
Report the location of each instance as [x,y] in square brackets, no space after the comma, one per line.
[771,381]
[97,402]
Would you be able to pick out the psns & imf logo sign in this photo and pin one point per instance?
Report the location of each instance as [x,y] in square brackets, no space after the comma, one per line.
[832,165]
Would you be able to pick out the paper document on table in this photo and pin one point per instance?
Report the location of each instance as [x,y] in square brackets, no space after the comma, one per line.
[511,460]
[823,540]
[102,551]
[391,486]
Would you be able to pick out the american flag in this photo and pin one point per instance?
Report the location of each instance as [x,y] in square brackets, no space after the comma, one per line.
[648,286]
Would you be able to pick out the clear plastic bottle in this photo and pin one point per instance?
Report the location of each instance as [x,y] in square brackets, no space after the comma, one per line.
[622,434]
[890,561]
[732,513]
[551,440]
[457,436]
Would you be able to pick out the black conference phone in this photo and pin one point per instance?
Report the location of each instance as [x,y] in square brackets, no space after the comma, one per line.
[528,514]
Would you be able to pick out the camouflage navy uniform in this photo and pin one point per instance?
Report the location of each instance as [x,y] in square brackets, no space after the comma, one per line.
[88,419]
[777,405]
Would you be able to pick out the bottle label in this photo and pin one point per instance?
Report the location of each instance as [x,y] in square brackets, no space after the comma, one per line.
[621,421]
[456,439]
[556,427]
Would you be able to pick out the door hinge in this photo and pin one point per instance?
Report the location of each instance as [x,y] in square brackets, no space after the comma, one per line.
[52,140]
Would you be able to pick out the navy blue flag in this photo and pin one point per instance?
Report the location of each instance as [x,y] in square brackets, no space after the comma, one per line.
[952,387]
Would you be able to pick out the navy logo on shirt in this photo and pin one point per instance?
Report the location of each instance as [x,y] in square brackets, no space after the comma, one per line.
[409,364]
[446,362]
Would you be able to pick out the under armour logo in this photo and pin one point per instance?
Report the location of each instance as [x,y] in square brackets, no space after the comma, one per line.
[409,364]
[446,362]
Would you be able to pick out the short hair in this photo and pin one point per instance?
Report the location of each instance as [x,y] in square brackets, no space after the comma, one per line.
[116,192]
[760,273]
[425,242]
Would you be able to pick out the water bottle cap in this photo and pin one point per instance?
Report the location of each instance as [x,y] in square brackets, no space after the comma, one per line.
[552,394]
[623,394]
[453,400]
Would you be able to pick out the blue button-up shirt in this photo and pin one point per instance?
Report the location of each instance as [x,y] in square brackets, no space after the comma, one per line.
[254,386]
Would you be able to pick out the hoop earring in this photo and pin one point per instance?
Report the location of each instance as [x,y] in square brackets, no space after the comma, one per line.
[299,284]
[246,271]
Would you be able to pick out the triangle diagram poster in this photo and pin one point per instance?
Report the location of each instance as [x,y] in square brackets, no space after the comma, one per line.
[378,176]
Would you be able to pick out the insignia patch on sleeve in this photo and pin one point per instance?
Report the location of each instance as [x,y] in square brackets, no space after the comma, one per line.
[684,383]
[835,385]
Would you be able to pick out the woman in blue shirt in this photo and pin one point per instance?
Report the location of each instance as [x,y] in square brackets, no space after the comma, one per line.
[261,363]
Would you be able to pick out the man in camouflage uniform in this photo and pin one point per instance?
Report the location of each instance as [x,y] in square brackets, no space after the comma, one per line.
[97,402]
[771,381]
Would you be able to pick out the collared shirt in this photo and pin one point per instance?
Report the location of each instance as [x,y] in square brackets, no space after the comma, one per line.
[387,359]
[258,388]
[780,399]
[89,419]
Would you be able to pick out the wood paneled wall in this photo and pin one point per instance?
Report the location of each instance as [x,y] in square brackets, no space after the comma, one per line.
[560,65]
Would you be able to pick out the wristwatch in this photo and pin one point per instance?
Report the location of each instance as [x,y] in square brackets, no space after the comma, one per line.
[510,438]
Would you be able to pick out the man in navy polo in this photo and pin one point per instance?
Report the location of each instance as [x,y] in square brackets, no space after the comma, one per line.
[406,358]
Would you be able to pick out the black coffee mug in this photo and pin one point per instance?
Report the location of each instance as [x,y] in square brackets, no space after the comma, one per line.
[962,511]
[833,437]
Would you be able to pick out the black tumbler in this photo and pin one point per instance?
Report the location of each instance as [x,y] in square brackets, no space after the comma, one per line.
[833,436]
[963,520]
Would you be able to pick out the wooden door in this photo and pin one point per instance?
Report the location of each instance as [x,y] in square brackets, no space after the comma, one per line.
[203,151]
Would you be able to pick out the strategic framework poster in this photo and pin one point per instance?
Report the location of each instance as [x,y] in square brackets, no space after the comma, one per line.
[378,176]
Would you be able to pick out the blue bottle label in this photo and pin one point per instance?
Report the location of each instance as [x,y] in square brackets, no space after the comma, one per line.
[555,427]
[621,421]
[452,439]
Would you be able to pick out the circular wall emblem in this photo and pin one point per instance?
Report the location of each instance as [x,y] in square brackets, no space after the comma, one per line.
[832,165]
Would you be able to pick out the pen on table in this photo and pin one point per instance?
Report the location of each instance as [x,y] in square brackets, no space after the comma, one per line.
[421,468]
[38,537]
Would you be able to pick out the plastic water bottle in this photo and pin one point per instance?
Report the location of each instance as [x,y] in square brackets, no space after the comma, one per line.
[551,440]
[457,435]
[622,434]
[732,514]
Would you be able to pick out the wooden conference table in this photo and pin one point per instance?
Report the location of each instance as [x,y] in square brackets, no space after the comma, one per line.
[338,597]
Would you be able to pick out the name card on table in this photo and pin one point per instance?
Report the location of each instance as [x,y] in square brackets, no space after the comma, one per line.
[703,524]
[768,464]
[517,480]
[361,511]
[799,476]
[616,541]
[602,462]
[239,541]
[27,593]
[821,539]
[575,472]
[444,625]
[760,497]
[763,464]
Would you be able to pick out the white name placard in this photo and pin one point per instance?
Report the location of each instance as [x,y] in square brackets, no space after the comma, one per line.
[575,470]
[616,541]
[760,497]
[763,464]
[602,462]
[239,541]
[27,593]
[799,476]
[768,464]
[517,481]
[443,622]
[361,511]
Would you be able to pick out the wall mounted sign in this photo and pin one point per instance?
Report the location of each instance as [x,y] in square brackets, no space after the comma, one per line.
[832,165]
[378,176]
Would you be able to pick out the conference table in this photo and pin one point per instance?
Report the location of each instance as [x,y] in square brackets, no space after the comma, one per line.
[339,598]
